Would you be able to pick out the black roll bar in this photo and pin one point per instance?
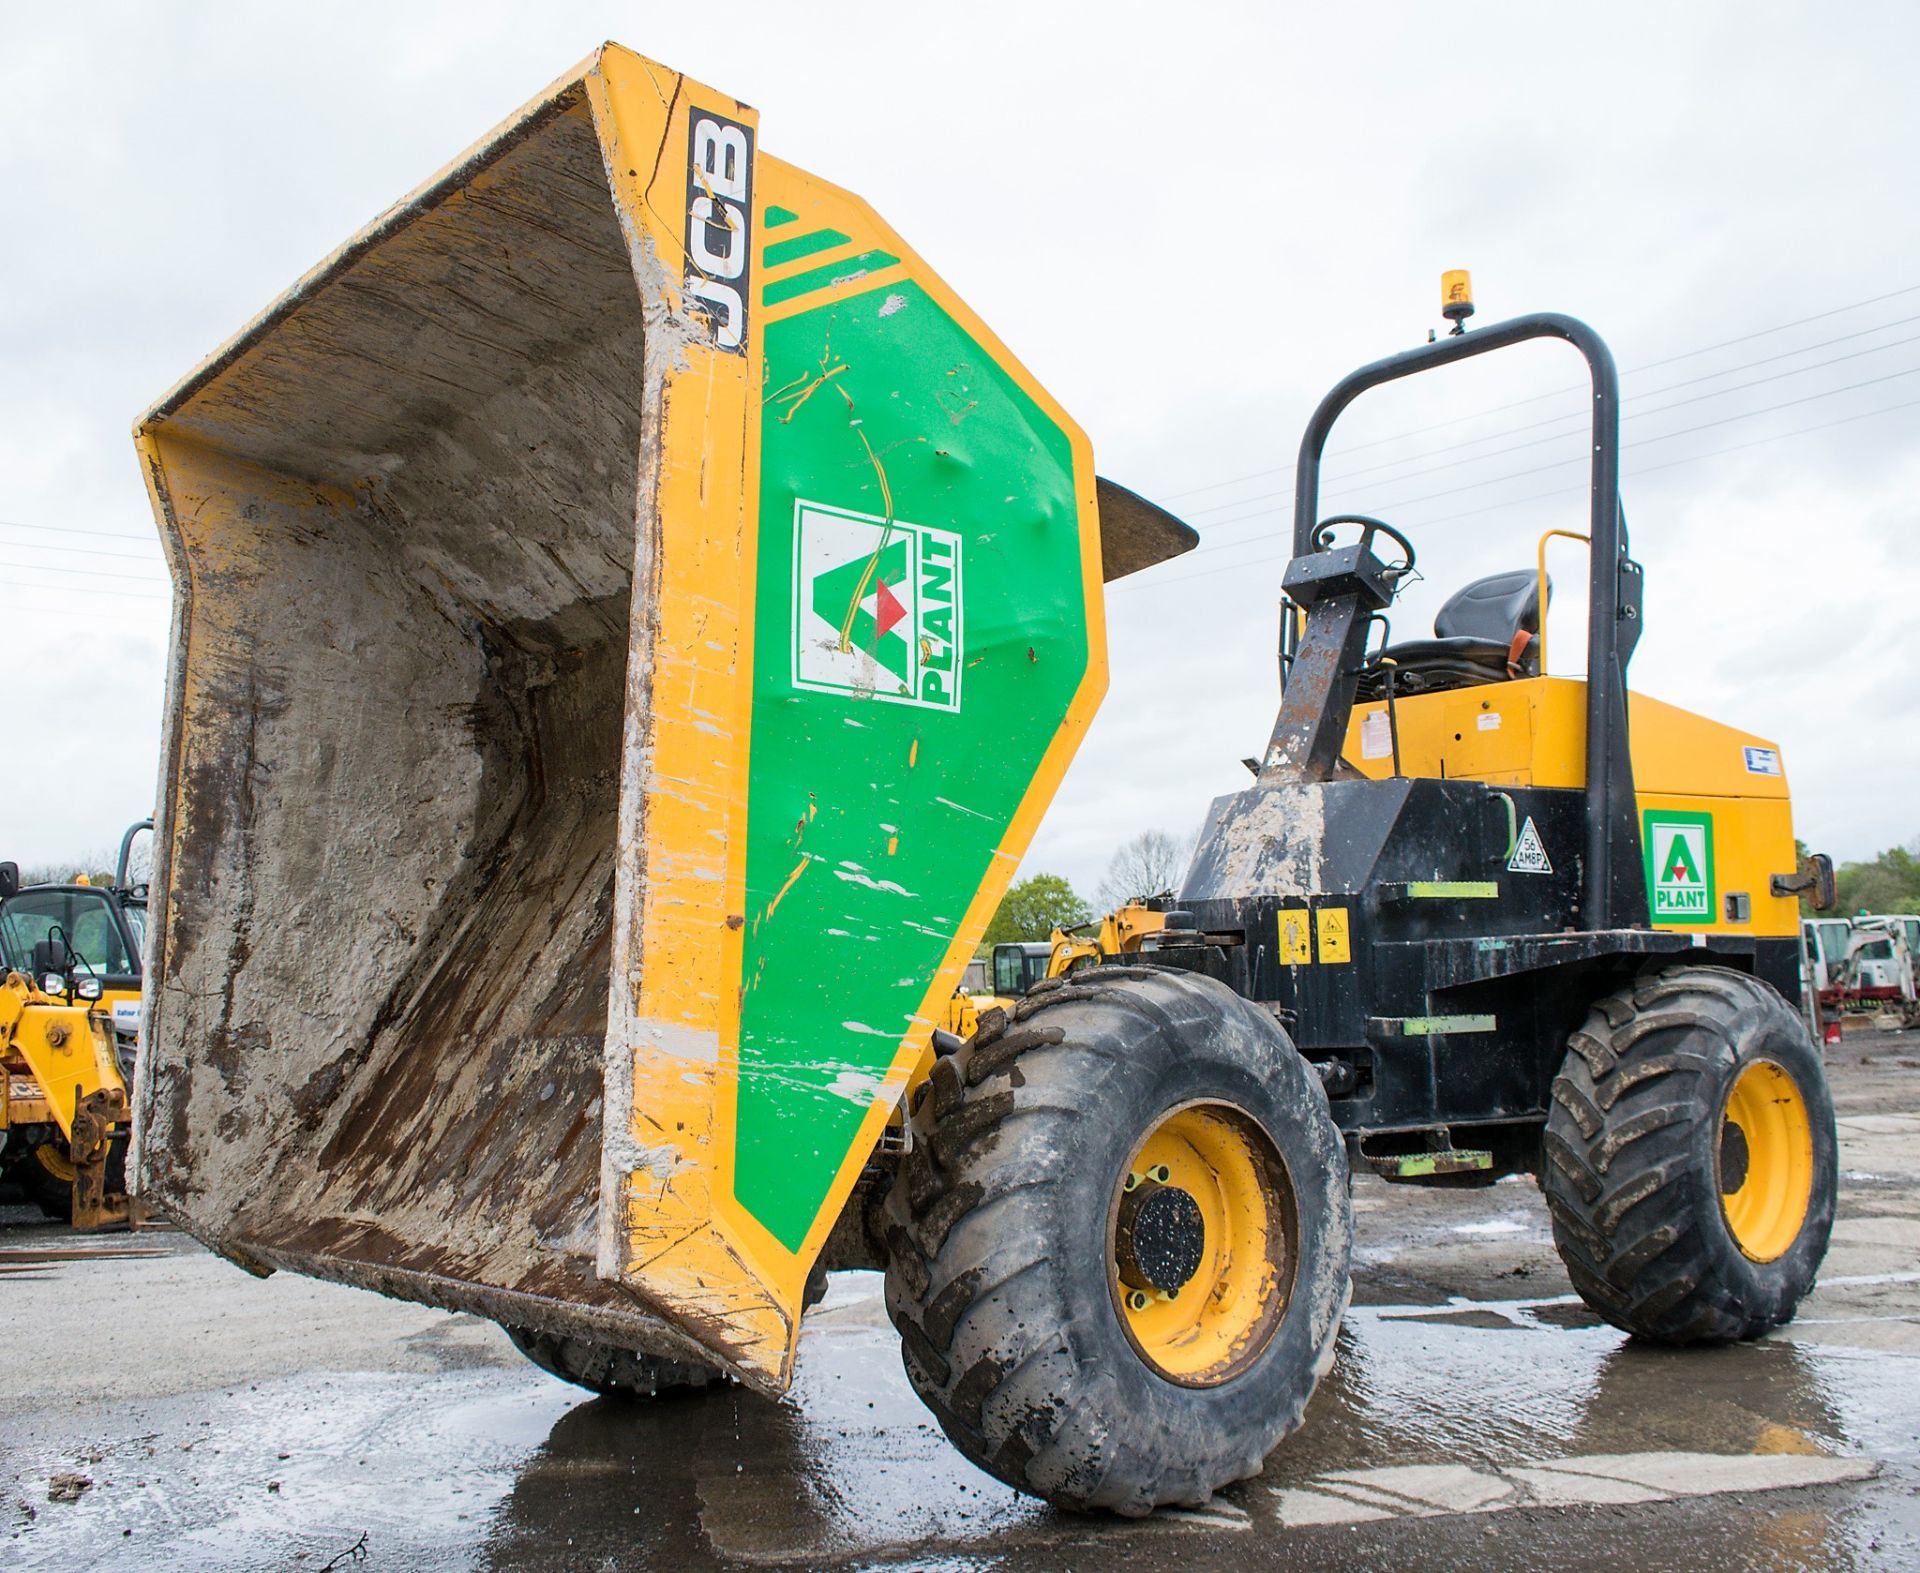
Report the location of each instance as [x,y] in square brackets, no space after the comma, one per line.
[1612,822]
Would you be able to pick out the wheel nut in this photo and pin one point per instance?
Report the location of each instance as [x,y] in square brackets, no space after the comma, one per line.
[1136,1301]
[1161,1173]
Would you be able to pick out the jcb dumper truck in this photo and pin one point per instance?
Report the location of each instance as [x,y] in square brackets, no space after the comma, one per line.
[630,617]
[587,582]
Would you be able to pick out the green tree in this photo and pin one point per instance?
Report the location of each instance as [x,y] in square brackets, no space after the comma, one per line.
[1034,908]
[1889,883]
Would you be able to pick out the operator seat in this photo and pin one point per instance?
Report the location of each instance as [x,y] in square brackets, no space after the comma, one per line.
[1488,632]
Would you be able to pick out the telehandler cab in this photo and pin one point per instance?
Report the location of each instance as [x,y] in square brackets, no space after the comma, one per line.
[589,583]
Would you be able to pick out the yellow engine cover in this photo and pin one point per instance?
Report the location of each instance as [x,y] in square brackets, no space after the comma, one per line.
[1715,818]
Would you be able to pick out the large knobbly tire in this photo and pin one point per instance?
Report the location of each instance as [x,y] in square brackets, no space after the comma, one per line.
[1642,1141]
[1001,1227]
[608,1371]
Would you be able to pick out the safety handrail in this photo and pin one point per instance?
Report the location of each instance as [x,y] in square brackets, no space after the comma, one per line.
[1540,558]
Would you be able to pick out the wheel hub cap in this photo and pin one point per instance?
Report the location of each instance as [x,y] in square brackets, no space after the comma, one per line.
[1159,1238]
[1202,1241]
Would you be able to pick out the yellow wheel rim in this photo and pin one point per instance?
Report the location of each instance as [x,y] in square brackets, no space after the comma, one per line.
[1201,1244]
[1765,1161]
[55,1162]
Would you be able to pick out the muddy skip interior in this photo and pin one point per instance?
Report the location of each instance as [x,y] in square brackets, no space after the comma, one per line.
[405,502]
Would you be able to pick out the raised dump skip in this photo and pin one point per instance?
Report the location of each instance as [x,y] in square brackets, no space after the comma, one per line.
[624,579]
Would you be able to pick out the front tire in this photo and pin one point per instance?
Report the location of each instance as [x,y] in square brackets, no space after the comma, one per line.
[1118,1249]
[1691,1161]
[608,1371]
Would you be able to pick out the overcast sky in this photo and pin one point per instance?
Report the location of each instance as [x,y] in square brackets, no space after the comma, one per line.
[1188,221]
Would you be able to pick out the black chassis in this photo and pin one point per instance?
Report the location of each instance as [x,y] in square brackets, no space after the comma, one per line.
[1444,1007]
[1464,980]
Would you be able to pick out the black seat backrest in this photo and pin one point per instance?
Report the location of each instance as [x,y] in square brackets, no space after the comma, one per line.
[1495,608]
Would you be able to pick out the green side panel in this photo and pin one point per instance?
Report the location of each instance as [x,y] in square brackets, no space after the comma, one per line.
[919,634]
[819,278]
[782,251]
[776,216]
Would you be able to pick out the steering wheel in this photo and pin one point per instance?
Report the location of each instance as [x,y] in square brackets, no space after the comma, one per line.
[1369,528]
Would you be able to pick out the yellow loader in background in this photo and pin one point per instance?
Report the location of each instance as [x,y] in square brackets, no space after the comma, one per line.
[70,988]
[1014,966]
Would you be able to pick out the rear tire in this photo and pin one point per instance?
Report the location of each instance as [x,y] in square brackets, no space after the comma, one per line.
[1675,1221]
[1010,1218]
[610,1372]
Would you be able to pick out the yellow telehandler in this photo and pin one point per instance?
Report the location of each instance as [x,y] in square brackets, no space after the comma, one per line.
[630,617]
[1014,966]
[64,1111]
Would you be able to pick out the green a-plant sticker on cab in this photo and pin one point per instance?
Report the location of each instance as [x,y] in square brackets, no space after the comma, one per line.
[876,607]
[1679,852]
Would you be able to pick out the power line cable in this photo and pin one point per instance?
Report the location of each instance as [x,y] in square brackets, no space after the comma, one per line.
[84,551]
[1631,415]
[1631,371]
[79,589]
[61,529]
[1402,502]
[1579,417]
[1666,436]
[1557,491]
[84,573]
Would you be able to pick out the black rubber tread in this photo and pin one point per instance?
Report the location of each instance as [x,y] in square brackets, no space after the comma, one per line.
[1631,1174]
[50,1193]
[996,1230]
[611,1372]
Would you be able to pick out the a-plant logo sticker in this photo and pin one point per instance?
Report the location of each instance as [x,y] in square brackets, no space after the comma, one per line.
[876,607]
[1679,851]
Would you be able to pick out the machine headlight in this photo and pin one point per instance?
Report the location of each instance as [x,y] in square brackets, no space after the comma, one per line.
[53,983]
[88,988]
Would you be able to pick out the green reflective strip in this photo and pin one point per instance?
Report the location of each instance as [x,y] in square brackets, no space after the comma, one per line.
[782,251]
[1434,1026]
[1431,1163]
[820,278]
[776,216]
[1453,890]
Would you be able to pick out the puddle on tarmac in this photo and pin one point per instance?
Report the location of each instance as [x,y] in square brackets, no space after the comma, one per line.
[852,1468]
[500,1468]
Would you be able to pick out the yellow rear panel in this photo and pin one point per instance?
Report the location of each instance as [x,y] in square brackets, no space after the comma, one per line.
[1718,792]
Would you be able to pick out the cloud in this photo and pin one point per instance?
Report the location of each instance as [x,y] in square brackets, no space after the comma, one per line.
[1187,226]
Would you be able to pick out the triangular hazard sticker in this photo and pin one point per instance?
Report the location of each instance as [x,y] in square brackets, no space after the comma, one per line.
[1529,855]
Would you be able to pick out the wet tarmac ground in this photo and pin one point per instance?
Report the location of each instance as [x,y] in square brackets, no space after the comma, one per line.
[164,1410]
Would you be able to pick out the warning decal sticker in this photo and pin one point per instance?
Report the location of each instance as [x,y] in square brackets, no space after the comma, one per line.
[1529,853]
